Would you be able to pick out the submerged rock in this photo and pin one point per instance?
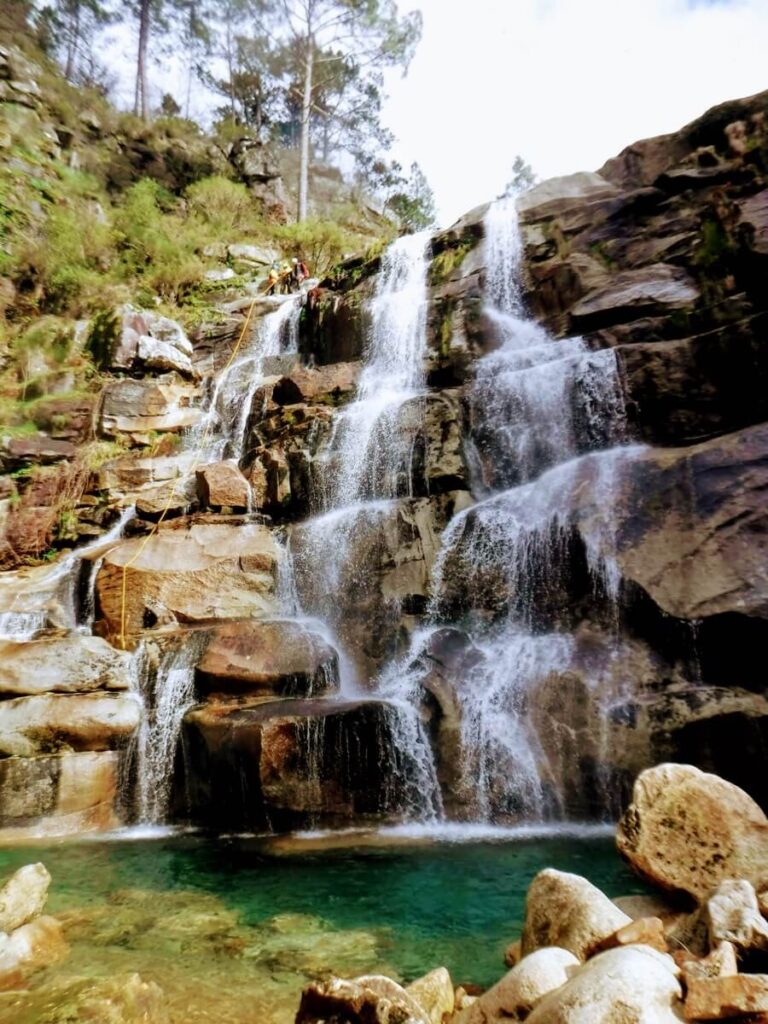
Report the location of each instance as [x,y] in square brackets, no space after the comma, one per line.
[687,831]
[23,896]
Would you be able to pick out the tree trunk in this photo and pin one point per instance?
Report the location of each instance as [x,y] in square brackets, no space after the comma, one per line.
[141,104]
[74,39]
[306,111]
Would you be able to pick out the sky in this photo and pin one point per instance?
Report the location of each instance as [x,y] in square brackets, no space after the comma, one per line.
[565,83]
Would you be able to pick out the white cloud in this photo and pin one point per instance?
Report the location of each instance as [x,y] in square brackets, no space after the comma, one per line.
[566,83]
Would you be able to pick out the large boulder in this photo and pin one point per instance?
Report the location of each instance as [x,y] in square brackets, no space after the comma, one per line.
[23,896]
[687,831]
[68,664]
[567,911]
[522,988]
[48,723]
[621,986]
[207,572]
[276,657]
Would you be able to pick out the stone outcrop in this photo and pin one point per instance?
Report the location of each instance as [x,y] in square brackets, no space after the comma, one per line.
[687,831]
[71,664]
[294,763]
[199,574]
[136,408]
[284,658]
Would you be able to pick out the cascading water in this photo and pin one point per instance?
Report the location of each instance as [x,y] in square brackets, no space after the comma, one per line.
[545,421]
[54,591]
[221,432]
[368,451]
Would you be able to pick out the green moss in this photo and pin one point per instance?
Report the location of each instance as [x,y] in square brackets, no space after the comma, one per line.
[600,251]
[103,334]
[444,264]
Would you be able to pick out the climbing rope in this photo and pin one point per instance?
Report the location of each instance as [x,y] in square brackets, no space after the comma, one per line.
[198,455]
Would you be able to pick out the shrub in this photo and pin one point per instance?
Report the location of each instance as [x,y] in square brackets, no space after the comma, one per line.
[321,243]
[224,204]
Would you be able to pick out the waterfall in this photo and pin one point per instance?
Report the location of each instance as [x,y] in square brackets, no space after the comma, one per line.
[368,451]
[221,432]
[547,439]
[60,585]
[166,695]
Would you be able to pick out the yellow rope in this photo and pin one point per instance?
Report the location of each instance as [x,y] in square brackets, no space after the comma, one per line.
[171,496]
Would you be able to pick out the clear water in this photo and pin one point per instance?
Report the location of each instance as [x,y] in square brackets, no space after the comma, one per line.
[232,929]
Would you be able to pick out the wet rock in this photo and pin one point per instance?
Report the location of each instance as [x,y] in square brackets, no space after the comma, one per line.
[205,572]
[434,994]
[630,984]
[288,764]
[70,664]
[139,407]
[285,658]
[371,998]
[653,291]
[23,896]
[726,997]
[49,723]
[61,794]
[325,384]
[687,831]
[129,477]
[523,988]
[168,501]
[566,910]
[733,915]
[221,484]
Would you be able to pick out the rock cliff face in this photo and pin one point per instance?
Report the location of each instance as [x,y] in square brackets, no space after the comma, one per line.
[658,262]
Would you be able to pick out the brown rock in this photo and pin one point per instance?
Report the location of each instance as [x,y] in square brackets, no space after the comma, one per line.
[434,994]
[137,407]
[513,953]
[285,658]
[40,450]
[721,962]
[727,996]
[58,794]
[370,998]
[32,947]
[48,723]
[208,572]
[686,831]
[644,931]
[69,664]
[222,484]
